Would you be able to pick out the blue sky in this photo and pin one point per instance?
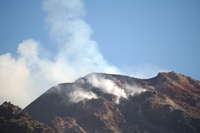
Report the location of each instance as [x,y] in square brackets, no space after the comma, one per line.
[161,33]
[53,42]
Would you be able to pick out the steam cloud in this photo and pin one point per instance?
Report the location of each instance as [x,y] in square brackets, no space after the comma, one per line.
[109,86]
[79,95]
[31,73]
[26,76]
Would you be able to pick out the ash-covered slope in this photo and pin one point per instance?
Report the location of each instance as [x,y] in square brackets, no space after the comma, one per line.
[105,103]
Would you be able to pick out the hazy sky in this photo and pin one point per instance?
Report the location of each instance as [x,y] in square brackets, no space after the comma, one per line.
[48,42]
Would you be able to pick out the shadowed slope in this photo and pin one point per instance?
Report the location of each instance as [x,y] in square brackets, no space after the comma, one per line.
[15,120]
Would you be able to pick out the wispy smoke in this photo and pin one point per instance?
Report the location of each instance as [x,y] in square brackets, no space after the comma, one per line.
[79,95]
[105,85]
[26,76]
[32,72]
[114,87]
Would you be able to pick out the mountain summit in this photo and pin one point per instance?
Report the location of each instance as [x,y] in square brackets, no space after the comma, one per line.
[107,103]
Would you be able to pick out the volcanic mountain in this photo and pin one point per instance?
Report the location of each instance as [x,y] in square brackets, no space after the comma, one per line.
[107,103]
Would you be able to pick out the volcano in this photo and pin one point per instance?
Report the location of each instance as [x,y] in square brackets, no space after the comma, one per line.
[107,103]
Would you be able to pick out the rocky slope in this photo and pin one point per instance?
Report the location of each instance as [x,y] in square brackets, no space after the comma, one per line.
[105,103]
[14,120]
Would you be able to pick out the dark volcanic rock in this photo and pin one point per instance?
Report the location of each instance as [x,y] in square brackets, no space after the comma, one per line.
[99,115]
[170,104]
[155,112]
[67,124]
[15,120]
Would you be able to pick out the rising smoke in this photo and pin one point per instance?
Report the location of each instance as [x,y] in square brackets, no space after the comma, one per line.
[25,77]
[106,85]
[29,74]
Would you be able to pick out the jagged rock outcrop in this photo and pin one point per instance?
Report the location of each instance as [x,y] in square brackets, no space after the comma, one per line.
[15,120]
[167,103]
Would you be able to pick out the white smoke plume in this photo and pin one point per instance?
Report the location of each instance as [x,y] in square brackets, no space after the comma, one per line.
[79,95]
[28,75]
[106,85]
[110,86]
